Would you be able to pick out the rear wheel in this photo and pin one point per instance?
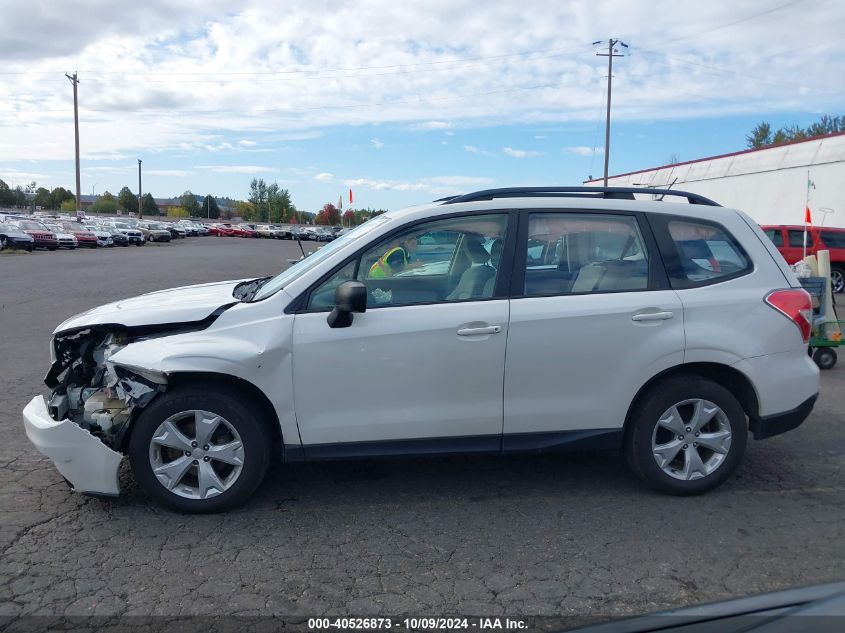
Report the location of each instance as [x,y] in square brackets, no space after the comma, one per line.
[686,436]
[199,449]
[825,357]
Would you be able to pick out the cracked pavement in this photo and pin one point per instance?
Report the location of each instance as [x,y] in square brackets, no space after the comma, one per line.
[564,535]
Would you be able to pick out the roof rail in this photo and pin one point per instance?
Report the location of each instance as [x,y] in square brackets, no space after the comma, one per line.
[612,193]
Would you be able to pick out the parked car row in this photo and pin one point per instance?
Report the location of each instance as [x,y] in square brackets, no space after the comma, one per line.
[54,232]
[278,231]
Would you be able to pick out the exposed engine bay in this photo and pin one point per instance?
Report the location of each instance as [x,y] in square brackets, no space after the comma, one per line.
[93,392]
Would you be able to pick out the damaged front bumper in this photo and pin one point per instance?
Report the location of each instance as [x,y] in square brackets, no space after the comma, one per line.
[87,463]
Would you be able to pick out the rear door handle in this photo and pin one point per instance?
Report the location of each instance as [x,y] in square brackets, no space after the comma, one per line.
[652,316]
[476,331]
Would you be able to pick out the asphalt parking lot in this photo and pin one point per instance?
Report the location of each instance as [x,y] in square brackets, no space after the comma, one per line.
[554,535]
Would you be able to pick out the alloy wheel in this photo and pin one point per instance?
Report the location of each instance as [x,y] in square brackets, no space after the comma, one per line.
[691,439]
[196,454]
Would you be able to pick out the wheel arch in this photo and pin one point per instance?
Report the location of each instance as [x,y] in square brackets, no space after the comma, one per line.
[724,375]
[270,419]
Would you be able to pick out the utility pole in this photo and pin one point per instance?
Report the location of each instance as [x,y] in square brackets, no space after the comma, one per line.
[75,81]
[610,54]
[140,208]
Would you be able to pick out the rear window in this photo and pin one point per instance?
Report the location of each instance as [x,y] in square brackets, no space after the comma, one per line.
[833,239]
[706,253]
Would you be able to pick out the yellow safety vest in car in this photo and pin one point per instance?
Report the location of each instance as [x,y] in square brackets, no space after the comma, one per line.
[381,268]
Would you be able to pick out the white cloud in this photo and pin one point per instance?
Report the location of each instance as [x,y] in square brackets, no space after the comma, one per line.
[519,153]
[211,73]
[376,143]
[237,169]
[219,147]
[434,125]
[177,173]
[583,150]
[247,143]
[439,185]
[472,149]
[324,177]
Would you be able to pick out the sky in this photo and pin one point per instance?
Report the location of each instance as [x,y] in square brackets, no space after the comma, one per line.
[400,102]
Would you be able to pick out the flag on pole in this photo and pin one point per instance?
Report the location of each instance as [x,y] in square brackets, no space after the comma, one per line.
[810,184]
[340,203]
[350,196]
[807,217]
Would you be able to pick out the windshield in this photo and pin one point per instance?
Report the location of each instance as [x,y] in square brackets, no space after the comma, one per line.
[31,226]
[285,277]
[121,225]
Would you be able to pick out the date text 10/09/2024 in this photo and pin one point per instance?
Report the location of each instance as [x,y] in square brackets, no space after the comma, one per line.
[419,623]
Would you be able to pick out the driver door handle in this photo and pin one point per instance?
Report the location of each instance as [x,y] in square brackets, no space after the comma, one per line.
[476,331]
[652,316]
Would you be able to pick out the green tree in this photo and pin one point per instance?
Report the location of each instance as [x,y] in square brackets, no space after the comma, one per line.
[178,212]
[189,201]
[68,206]
[279,205]
[148,205]
[7,195]
[127,200]
[20,197]
[245,210]
[106,204]
[258,199]
[42,198]
[760,136]
[59,196]
[210,208]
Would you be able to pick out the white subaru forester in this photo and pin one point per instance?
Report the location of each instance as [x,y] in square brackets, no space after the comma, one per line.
[527,319]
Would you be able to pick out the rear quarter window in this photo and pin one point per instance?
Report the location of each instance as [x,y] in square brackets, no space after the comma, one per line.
[700,253]
[833,239]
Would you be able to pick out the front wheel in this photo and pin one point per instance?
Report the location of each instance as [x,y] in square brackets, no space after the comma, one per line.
[198,449]
[686,436]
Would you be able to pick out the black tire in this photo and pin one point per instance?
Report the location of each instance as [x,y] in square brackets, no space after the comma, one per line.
[825,357]
[652,405]
[243,415]
[53,248]
[837,279]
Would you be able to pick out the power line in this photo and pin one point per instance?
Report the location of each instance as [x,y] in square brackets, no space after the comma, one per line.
[729,24]
[134,73]
[728,71]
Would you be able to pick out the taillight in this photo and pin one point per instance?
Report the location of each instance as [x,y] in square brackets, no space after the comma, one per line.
[795,304]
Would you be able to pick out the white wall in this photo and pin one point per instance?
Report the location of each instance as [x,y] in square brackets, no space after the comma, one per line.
[770,185]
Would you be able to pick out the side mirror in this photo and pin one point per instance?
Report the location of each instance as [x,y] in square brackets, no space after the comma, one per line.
[349,297]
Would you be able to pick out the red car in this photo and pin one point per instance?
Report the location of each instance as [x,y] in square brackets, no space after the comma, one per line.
[43,238]
[789,240]
[223,229]
[83,236]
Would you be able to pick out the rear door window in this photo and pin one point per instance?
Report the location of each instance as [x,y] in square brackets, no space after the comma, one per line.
[574,253]
[796,239]
[704,253]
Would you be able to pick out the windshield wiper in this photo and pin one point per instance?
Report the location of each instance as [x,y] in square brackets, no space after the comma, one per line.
[245,291]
